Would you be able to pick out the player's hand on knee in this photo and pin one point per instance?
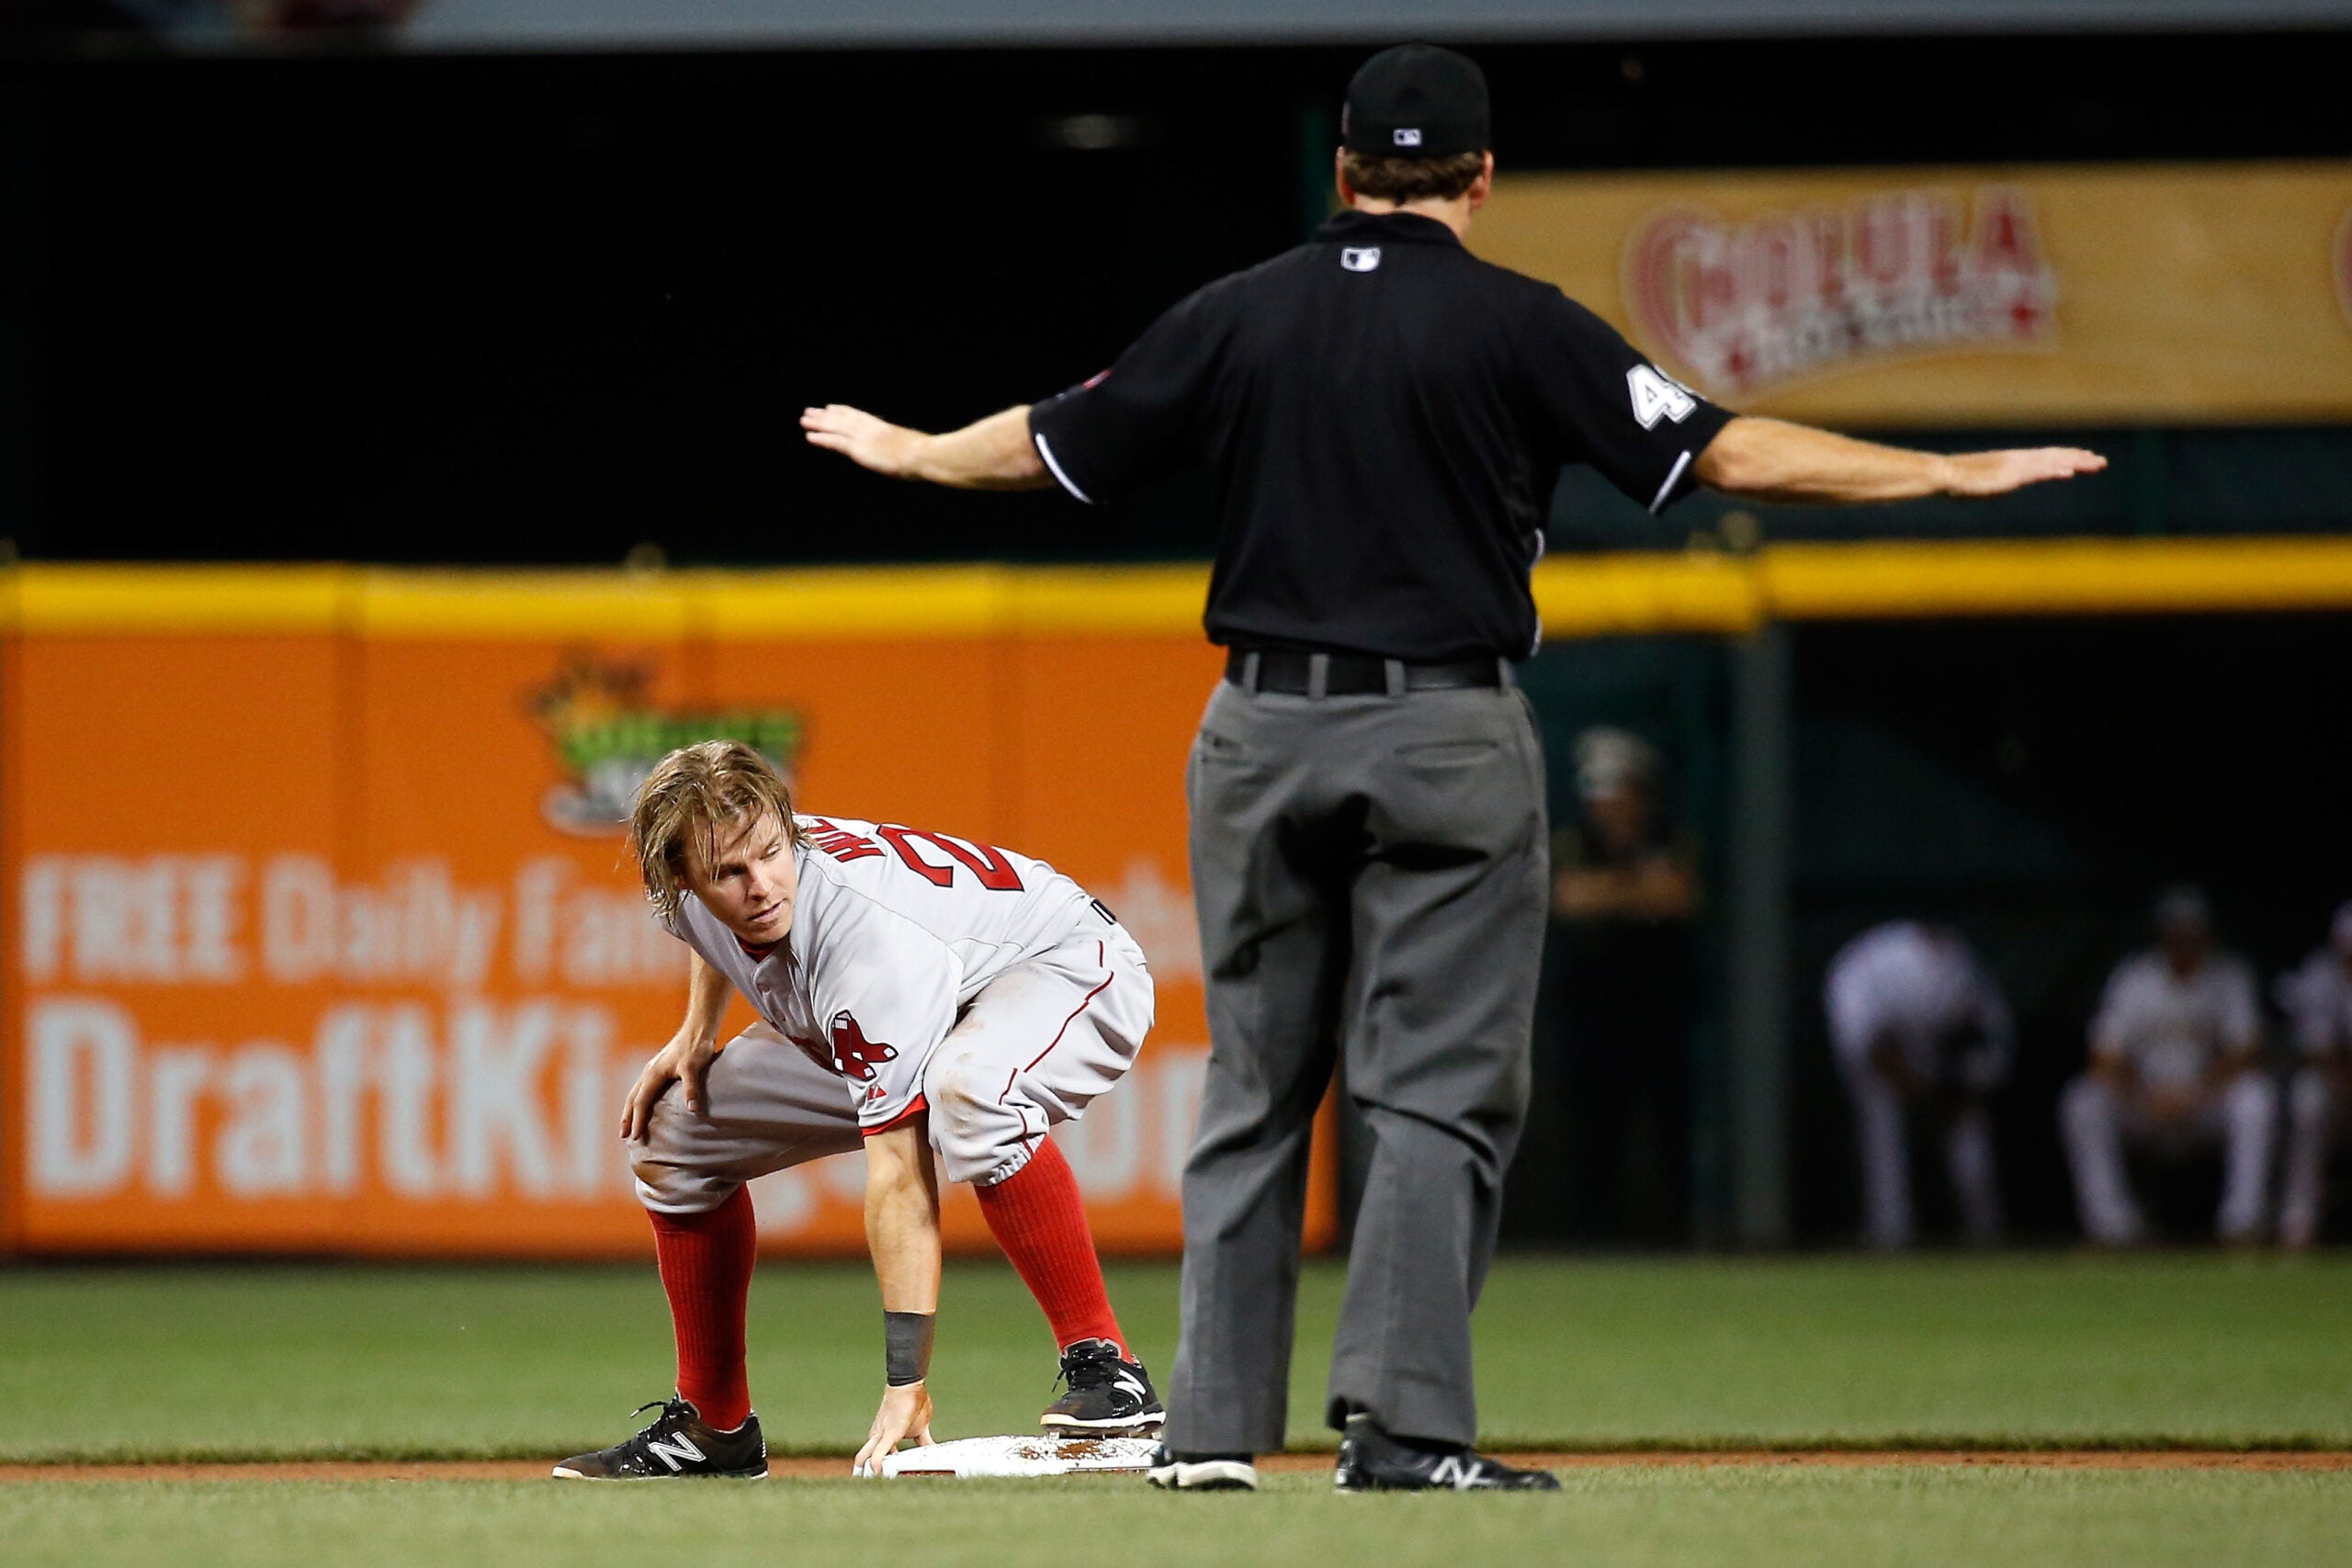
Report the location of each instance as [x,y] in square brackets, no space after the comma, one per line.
[686,1061]
[905,1412]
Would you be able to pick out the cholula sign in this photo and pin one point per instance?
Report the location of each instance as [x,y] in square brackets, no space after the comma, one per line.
[2130,294]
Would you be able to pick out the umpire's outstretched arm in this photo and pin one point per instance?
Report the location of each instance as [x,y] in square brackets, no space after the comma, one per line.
[1759,460]
[1770,459]
[994,454]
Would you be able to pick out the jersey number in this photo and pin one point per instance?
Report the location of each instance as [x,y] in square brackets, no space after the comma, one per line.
[995,872]
[1655,398]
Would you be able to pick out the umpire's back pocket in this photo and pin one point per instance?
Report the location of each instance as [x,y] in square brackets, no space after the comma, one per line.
[1449,753]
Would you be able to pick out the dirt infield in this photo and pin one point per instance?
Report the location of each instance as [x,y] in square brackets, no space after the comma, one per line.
[807,1469]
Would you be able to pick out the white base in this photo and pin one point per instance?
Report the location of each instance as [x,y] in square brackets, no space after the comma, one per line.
[1023,1456]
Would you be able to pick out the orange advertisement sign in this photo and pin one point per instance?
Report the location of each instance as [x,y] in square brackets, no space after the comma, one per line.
[325,940]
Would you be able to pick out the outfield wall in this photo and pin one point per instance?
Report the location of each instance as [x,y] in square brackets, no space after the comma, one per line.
[322,938]
[325,941]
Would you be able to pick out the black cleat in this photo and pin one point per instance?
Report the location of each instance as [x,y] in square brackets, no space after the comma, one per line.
[1108,1397]
[1202,1473]
[677,1445]
[1372,1461]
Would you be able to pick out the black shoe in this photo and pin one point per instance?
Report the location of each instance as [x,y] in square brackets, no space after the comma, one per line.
[678,1444]
[1372,1461]
[1107,1397]
[1202,1473]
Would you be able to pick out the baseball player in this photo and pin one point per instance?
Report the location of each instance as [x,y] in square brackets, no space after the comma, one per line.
[1384,416]
[1625,886]
[2173,1068]
[917,992]
[2318,1001]
[1918,1024]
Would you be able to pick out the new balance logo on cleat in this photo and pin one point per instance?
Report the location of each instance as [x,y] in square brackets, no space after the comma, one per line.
[1450,1472]
[676,1453]
[1372,1461]
[679,1444]
[1109,1396]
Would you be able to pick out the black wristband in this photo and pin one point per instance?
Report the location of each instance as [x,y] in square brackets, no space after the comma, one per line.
[906,1346]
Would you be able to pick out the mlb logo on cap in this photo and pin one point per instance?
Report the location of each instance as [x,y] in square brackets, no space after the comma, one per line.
[1415,101]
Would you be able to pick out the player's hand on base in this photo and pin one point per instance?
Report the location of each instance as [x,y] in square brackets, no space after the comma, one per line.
[905,1412]
[868,442]
[686,1061]
[1978,474]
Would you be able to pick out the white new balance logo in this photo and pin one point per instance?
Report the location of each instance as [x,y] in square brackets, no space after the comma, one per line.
[1129,1382]
[674,1450]
[1452,1471]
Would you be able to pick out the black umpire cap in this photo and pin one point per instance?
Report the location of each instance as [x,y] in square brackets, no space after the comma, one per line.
[1416,101]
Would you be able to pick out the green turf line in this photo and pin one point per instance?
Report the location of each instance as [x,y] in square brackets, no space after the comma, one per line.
[1898,1442]
[1936,1517]
[1822,1353]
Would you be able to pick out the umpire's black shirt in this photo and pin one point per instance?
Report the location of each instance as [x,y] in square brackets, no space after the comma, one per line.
[1386,416]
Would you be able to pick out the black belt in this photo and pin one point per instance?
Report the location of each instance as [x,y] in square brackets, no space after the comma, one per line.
[1353,674]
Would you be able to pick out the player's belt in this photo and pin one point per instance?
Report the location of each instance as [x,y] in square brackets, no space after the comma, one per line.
[1353,674]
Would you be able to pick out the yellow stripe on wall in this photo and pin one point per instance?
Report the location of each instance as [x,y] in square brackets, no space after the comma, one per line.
[2062,576]
[103,601]
[1632,595]
[488,605]
[1578,596]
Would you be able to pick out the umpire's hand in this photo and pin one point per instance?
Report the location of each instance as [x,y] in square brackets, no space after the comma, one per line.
[1980,474]
[863,439]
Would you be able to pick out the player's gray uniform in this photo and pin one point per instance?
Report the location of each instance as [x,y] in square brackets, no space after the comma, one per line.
[1922,990]
[2171,1030]
[924,972]
[2318,999]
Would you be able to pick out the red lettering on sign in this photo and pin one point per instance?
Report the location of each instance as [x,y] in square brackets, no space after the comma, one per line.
[1749,305]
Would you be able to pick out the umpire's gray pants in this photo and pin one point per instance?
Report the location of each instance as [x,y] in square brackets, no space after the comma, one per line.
[1370,873]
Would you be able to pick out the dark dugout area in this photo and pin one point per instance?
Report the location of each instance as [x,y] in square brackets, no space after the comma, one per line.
[543,309]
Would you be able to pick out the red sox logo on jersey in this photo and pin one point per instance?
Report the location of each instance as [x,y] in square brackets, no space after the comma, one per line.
[855,1056]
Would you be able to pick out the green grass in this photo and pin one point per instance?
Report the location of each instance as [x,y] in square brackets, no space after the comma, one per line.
[1614,1518]
[357,1362]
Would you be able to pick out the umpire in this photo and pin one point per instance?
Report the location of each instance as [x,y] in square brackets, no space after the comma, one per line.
[1386,416]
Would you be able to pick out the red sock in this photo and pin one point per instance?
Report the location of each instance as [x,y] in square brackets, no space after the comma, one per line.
[707,1269]
[1040,1223]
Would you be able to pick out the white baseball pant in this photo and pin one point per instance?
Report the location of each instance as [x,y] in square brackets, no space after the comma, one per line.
[2097,1121]
[2310,1115]
[1881,1133]
[1033,1049]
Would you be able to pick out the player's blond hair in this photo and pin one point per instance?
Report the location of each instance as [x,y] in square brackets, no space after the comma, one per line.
[691,793]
